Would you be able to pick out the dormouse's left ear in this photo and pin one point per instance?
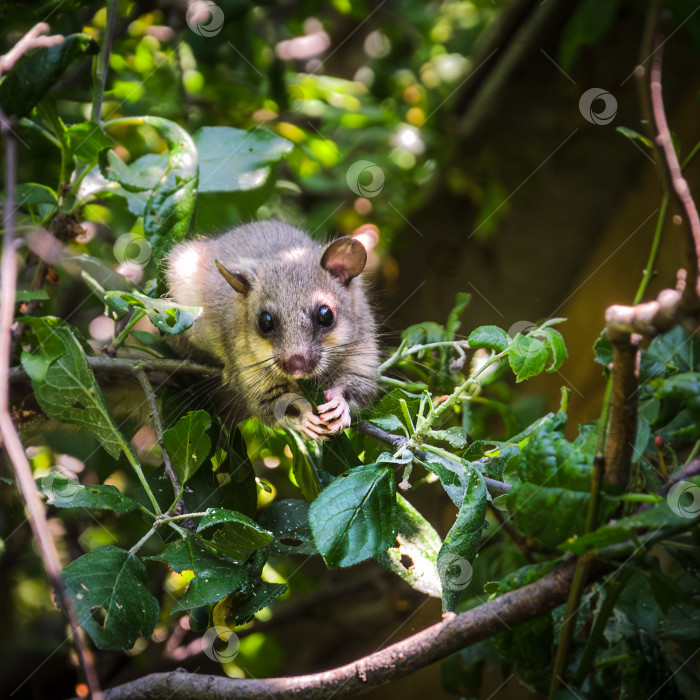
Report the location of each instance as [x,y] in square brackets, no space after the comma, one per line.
[345,258]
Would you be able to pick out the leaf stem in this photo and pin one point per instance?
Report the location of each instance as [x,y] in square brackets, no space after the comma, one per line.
[101,63]
[649,269]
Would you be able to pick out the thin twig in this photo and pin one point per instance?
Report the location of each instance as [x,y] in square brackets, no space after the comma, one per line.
[102,63]
[108,365]
[30,41]
[651,92]
[36,513]
[496,488]
[158,425]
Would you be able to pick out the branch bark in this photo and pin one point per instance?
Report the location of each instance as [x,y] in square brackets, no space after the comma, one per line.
[619,447]
[36,513]
[396,661]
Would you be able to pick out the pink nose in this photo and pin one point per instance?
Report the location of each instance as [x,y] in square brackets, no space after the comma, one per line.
[298,365]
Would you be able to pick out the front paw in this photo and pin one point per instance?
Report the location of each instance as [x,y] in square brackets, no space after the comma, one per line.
[335,413]
[311,426]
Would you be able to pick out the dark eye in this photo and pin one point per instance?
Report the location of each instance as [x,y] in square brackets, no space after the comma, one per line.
[265,323]
[325,316]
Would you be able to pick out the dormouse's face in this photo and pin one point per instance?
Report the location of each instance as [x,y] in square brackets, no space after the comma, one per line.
[298,307]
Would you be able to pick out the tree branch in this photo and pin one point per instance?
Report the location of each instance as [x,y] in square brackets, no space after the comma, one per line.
[389,664]
[651,92]
[623,410]
[36,514]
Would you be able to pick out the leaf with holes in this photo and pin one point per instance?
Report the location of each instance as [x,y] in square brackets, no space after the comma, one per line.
[111,596]
[236,534]
[354,518]
[188,444]
[413,557]
[288,521]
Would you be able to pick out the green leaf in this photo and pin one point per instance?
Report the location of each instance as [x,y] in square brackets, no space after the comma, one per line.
[170,205]
[31,295]
[33,193]
[587,24]
[36,73]
[603,350]
[551,500]
[423,333]
[303,470]
[558,349]
[237,535]
[451,473]
[670,512]
[522,577]
[388,422]
[390,405]
[491,337]
[462,541]
[87,140]
[453,320]
[63,492]
[527,355]
[413,556]
[232,160]
[111,597]
[167,316]
[288,520]
[65,386]
[215,575]
[187,444]
[338,454]
[354,518]
[529,646]
[635,136]
[455,436]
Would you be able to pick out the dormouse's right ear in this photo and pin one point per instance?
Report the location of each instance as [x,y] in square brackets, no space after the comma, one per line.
[344,258]
[236,279]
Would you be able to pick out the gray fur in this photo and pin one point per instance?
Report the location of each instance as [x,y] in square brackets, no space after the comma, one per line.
[283,266]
